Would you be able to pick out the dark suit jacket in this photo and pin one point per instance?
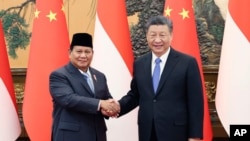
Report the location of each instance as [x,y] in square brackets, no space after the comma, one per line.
[177,107]
[75,115]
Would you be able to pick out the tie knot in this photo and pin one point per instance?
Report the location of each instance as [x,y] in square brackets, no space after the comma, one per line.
[86,76]
[157,60]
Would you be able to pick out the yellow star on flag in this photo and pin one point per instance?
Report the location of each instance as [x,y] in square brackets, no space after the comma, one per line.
[37,13]
[167,11]
[51,16]
[184,13]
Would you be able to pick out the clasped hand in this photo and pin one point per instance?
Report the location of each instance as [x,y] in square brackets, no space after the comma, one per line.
[110,108]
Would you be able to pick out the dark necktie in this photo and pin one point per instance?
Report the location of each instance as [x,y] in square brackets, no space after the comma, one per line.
[156,74]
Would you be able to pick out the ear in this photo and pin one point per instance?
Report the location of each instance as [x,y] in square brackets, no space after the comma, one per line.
[171,37]
[69,51]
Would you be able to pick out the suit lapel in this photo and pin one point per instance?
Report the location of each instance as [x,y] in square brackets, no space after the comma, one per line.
[168,68]
[79,77]
[148,72]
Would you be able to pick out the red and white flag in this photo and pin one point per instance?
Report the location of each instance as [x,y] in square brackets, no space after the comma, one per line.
[114,57]
[233,88]
[9,122]
[186,40]
[48,51]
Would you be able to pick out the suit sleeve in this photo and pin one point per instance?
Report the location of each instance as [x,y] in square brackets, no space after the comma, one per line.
[131,100]
[63,94]
[195,100]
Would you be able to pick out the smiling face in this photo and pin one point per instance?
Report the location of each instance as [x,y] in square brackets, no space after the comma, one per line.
[81,57]
[159,39]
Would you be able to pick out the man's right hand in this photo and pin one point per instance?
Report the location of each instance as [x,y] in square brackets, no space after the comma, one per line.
[110,107]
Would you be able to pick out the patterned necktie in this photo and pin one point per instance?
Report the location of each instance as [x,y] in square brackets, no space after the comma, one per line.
[156,74]
[90,83]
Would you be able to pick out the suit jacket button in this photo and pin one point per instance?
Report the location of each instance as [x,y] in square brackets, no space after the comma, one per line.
[154,100]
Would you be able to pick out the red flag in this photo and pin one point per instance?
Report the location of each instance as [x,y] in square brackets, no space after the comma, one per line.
[112,47]
[9,121]
[48,51]
[185,40]
[233,91]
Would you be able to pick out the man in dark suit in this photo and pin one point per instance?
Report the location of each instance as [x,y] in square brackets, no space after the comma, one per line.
[170,109]
[79,93]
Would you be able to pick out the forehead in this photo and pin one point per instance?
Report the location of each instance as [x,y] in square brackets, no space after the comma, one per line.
[82,48]
[158,28]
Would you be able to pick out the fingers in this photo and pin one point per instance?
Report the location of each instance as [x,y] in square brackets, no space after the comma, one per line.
[110,107]
[104,112]
[116,106]
[109,113]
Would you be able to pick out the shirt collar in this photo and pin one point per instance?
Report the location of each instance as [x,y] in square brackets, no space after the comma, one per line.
[163,57]
[86,73]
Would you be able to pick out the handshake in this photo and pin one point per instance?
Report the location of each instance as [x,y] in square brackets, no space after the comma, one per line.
[110,107]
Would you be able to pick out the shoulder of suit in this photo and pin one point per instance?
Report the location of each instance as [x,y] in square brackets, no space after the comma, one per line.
[143,57]
[59,69]
[181,54]
[95,71]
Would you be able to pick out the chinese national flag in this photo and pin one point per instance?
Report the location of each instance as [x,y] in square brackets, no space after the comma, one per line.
[233,91]
[48,51]
[112,47]
[185,40]
[9,121]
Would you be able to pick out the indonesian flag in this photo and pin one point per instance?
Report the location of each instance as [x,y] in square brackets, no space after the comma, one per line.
[185,40]
[48,51]
[113,56]
[233,90]
[9,122]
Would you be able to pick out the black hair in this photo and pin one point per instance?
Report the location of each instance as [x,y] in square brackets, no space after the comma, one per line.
[159,20]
